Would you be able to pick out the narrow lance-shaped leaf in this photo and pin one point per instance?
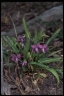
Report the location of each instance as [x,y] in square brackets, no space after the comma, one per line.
[40,35]
[28,35]
[51,54]
[35,38]
[12,45]
[27,46]
[47,68]
[49,60]
[54,73]
[59,71]
[53,36]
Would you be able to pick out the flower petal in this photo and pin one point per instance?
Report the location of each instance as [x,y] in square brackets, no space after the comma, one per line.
[18,56]
[24,63]
[33,46]
[37,50]
[45,46]
[21,39]
[16,60]
[13,55]
[43,50]
[39,46]
[13,59]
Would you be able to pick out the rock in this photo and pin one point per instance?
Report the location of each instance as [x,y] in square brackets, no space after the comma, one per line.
[53,14]
[55,3]
[3,33]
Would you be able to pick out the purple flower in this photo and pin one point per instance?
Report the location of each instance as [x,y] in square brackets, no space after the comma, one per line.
[16,58]
[44,48]
[24,63]
[35,48]
[38,48]
[21,39]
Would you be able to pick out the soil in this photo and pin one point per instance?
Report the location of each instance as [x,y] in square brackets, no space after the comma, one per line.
[46,85]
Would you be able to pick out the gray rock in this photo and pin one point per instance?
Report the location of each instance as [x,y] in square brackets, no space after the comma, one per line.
[54,13]
[3,33]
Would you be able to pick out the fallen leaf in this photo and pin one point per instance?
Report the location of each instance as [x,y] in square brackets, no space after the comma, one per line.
[6,74]
[17,81]
[35,82]
[43,75]
[40,80]
[28,89]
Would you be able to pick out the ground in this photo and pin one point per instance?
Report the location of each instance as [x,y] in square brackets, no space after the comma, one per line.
[46,85]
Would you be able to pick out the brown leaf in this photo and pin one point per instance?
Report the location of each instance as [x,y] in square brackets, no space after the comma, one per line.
[40,80]
[28,89]
[6,74]
[17,81]
[35,82]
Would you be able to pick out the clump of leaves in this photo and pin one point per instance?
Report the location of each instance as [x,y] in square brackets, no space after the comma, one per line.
[31,52]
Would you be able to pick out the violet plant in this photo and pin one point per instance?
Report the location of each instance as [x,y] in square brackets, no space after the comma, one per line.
[35,54]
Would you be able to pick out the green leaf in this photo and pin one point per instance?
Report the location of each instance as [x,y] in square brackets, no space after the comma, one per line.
[54,52]
[9,64]
[53,36]
[29,55]
[4,57]
[11,43]
[39,64]
[54,73]
[3,41]
[49,60]
[33,54]
[42,74]
[28,35]
[24,68]
[40,34]
[59,71]
[35,39]
[47,68]
[27,46]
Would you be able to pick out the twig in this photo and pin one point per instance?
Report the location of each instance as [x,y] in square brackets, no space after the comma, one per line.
[23,93]
[13,25]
